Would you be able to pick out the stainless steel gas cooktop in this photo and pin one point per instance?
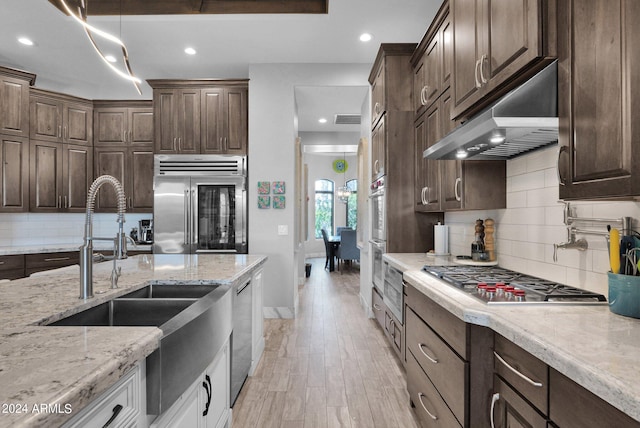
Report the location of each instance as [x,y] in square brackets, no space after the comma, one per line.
[496,285]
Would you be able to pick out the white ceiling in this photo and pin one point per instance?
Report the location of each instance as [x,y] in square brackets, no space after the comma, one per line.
[64,61]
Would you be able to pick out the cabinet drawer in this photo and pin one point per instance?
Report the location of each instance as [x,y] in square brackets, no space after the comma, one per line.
[11,262]
[450,328]
[378,307]
[429,406]
[121,405]
[571,405]
[511,363]
[511,410]
[44,261]
[445,369]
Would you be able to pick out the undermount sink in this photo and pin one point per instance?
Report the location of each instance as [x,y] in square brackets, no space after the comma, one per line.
[172,291]
[195,320]
[128,312]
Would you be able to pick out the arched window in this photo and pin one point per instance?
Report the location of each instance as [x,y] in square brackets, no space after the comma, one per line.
[352,204]
[324,206]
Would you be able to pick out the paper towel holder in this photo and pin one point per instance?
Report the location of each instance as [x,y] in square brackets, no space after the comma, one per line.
[441,239]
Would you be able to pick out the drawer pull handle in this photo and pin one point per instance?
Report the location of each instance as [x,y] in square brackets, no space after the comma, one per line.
[532,382]
[1,263]
[56,259]
[207,386]
[494,400]
[116,411]
[431,415]
[422,345]
[376,307]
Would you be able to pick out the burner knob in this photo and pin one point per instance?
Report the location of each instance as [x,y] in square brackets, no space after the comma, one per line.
[491,292]
[508,292]
[519,295]
[482,288]
[500,288]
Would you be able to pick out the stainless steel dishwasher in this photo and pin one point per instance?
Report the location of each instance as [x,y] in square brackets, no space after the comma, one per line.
[240,338]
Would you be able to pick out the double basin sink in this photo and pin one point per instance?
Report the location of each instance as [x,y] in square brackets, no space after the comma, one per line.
[196,321]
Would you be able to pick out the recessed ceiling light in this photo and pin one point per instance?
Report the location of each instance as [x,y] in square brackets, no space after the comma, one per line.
[461,154]
[322,120]
[190,51]
[25,41]
[110,58]
[497,139]
[365,37]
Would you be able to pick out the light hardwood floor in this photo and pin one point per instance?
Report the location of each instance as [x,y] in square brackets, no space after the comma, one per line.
[329,367]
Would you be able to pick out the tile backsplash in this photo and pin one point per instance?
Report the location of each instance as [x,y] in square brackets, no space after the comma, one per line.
[533,221]
[26,229]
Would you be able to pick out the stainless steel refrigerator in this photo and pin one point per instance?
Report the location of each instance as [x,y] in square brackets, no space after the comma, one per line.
[199,204]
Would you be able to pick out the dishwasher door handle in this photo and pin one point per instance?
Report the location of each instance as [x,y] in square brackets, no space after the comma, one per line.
[241,289]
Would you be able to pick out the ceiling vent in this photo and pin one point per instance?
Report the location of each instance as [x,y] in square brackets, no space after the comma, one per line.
[347,119]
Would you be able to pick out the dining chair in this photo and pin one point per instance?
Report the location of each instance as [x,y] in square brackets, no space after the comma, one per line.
[327,248]
[348,249]
[339,229]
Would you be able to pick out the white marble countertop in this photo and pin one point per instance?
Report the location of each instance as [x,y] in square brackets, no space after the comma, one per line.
[74,365]
[596,348]
[60,248]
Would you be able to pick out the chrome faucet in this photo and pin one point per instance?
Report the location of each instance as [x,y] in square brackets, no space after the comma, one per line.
[119,242]
[580,244]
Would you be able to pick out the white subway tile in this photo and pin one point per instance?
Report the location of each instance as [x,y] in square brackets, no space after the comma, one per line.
[528,181]
[548,271]
[516,199]
[592,281]
[516,166]
[542,159]
[545,197]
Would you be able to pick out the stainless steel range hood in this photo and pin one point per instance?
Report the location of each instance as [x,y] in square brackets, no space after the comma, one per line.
[523,120]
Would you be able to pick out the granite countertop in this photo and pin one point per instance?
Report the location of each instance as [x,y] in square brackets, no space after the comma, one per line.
[589,344]
[74,365]
[61,248]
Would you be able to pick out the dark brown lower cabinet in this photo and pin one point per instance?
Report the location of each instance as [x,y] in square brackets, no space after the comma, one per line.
[449,365]
[509,409]
[425,400]
[571,405]
[47,261]
[12,267]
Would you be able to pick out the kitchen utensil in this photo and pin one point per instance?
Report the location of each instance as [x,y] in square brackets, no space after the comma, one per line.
[614,250]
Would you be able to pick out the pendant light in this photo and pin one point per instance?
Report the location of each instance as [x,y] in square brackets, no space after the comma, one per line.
[90,30]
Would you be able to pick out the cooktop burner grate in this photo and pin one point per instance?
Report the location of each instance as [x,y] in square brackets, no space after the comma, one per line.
[530,288]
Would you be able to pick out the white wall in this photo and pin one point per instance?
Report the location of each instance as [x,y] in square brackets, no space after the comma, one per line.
[366,280]
[321,167]
[272,133]
[533,221]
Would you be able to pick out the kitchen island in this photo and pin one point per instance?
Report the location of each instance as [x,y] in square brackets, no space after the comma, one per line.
[588,344]
[62,369]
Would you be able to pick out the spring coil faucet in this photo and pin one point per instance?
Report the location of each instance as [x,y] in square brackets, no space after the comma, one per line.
[119,242]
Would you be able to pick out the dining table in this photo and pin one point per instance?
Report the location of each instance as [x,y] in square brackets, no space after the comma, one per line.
[334,245]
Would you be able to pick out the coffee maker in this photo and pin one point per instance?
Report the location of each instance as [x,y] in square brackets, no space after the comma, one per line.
[145,231]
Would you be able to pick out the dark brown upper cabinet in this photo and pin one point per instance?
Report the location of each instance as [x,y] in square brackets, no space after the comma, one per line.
[14,102]
[60,118]
[124,133]
[498,44]
[14,174]
[599,99]
[200,116]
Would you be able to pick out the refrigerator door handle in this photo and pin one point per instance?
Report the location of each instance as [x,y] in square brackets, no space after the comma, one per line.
[193,216]
[186,217]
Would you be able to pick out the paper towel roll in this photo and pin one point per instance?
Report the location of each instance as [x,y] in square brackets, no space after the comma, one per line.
[441,239]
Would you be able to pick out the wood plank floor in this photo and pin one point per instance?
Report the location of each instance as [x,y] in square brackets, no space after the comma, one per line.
[329,367]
